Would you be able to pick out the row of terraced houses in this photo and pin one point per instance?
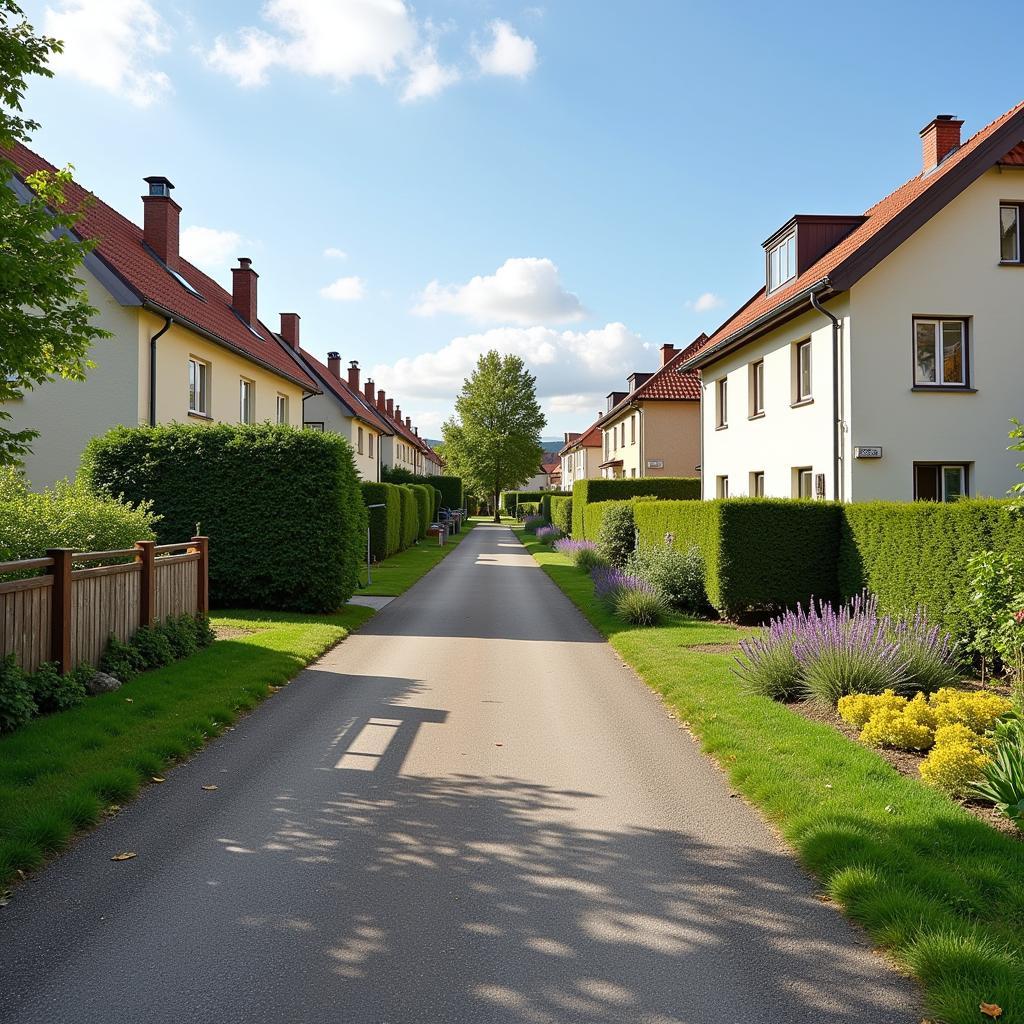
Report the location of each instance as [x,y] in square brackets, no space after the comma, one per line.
[881,357]
[185,349]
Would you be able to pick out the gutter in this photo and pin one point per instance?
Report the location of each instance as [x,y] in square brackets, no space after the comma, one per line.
[152,367]
[837,420]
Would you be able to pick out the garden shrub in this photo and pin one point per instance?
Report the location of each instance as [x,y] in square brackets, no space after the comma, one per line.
[410,515]
[617,536]
[436,506]
[1002,781]
[582,553]
[955,768]
[16,704]
[121,659]
[449,486]
[424,504]
[67,515]
[53,692]
[153,647]
[282,507]
[640,607]
[561,514]
[677,575]
[156,645]
[385,523]
[586,492]
[528,508]
[888,727]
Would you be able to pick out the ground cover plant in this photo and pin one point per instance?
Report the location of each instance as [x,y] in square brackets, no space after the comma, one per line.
[584,554]
[941,891]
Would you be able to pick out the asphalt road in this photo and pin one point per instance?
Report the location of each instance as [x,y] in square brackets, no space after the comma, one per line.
[471,812]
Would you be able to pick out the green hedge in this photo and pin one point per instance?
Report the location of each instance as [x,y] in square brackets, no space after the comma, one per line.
[282,507]
[760,554]
[916,554]
[385,523]
[437,503]
[510,499]
[585,492]
[561,513]
[425,504]
[410,529]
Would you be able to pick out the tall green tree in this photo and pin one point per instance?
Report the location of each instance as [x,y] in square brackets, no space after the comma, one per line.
[46,329]
[493,441]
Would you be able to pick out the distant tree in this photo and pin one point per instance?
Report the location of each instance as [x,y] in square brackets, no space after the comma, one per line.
[493,441]
[397,475]
[45,316]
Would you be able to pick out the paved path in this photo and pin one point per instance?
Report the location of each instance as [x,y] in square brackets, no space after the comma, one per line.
[468,813]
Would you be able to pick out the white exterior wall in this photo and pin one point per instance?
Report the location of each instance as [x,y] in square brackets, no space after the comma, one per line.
[580,464]
[785,437]
[326,409]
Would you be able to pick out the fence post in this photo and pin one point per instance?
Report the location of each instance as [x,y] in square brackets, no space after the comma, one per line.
[147,585]
[60,608]
[202,545]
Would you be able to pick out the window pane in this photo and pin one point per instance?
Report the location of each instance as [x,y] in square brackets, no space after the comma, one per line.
[804,379]
[952,352]
[924,352]
[192,385]
[773,273]
[926,483]
[1009,233]
[952,482]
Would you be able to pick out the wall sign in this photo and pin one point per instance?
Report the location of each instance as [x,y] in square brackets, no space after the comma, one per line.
[868,451]
[655,463]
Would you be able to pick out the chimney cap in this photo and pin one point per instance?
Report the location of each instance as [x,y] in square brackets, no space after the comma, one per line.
[940,117]
[333,355]
[159,185]
[244,263]
[354,363]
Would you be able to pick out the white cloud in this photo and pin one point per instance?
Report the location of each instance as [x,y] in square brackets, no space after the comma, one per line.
[508,54]
[427,76]
[111,44]
[333,253]
[705,302]
[525,290]
[345,289]
[208,248]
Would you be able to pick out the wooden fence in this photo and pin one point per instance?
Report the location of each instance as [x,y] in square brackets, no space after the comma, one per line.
[69,608]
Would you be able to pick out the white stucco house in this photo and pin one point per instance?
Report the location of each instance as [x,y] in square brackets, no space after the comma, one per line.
[883,355]
[581,456]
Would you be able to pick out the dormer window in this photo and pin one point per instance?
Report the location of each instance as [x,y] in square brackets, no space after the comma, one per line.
[782,262]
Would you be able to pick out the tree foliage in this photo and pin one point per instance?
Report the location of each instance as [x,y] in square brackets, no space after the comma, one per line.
[493,441]
[45,316]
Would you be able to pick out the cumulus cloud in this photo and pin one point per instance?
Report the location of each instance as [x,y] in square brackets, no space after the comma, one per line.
[344,289]
[524,290]
[427,76]
[508,52]
[333,253]
[705,302]
[111,44]
[208,248]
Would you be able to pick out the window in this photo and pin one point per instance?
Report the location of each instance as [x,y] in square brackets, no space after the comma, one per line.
[198,387]
[804,479]
[313,425]
[940,353]
[722,486]
[1011,247]
[369,444]
[802,391]
[632,429]
[781,262]
[757,484]
[935,481]
[722,403]
[245,400]
[606,445]
[282,408]
[757,388]
[632,472]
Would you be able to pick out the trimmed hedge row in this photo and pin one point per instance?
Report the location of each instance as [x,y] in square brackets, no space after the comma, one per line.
[410,528]
[510,499]
[424,505]
[561,513]
[385,523]
[586,492]
[282,507]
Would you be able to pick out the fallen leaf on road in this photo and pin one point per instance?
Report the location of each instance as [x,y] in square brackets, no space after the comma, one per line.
[991,1010]
[127,855]
[209,789]
[157,778]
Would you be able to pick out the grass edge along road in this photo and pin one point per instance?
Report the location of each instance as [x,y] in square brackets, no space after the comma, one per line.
[61,774]
[939,890]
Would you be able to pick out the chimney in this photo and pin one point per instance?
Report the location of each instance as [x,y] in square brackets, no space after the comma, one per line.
[408,423]
[381,404]
[667,352]
[353,375]
[398,413]
[243,290]
[334,364]
[368,390]
[416,431]
[160,220]
[939,138]
[290,329]
[391,407]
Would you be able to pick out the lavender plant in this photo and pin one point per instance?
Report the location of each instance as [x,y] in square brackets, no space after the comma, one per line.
[531,524]
[932,660]
[609,582]
[582,553]
[548,534]
[770,666]
[640,607]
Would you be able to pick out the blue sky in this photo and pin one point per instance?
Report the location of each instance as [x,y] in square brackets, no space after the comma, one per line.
[577,181]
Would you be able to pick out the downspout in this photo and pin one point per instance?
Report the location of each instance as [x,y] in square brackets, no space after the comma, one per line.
[152,368]
[837,419]
[700,432]
[640,422]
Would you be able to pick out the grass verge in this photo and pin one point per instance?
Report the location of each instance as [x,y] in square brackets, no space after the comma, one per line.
[939,890]
[60,774]
[397,574]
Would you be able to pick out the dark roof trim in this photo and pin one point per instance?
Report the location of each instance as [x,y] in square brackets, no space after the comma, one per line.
[380,427]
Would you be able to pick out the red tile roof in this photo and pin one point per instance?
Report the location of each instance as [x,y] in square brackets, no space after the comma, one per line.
[590,438]
[120,248]
[551,467]
[864,247]
[667,383]
[355,400]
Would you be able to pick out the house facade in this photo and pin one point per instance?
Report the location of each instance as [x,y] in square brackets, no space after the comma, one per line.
[580,456]
[182,348]
[884,354]
[653,428]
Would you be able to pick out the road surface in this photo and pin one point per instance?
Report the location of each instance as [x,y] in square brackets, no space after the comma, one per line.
[471,812]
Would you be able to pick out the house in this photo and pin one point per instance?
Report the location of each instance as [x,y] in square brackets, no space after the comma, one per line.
[403,448]
[580,456]
[653,428]
[552,469]
[183,348]
[344,406]
[883,354]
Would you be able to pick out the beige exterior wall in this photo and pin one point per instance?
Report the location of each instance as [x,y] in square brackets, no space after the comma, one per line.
[656,431]
[580,464]
[397,452]
[326,409]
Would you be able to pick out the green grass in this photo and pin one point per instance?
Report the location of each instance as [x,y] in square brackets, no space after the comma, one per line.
[397,574]
[60,773]
[939,890]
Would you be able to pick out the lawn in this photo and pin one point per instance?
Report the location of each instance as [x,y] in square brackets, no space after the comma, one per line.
[397,574]
[939,890]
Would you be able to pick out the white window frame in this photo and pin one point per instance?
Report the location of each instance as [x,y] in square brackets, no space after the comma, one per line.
[799,349]
[722,486]
[282,408]
[757,483]
[198,386]
[721,403]
[246,400]
[803,479]
[938,349]
[757,388]
[1017,209]
[781,262]
[960,467]
[369,443]
[359,440]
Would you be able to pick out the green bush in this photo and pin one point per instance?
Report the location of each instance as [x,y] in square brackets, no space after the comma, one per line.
[16,704]
[282,507]
[67,515]
[410,515]
[424,505]
[510,500]
[527,508]
[438,500]
[617,536]
[677,575]
[640,607]
[587,492]
[449,486]
[155,646]
[385,523]
[53,692]
[561,514]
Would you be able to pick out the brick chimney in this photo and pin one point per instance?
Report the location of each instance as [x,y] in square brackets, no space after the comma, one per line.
[290,329]
[416,431]
[381,404]
[334,364]
[398,413]
[408,423]
[353,375]
[160,220]
[667,352]
[368,390]
[243,290]
[939,138]
[391,407]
